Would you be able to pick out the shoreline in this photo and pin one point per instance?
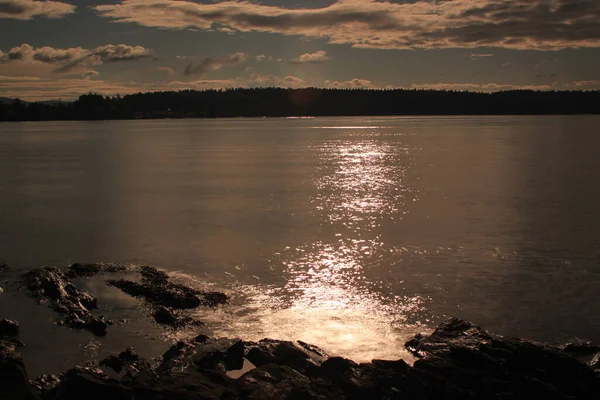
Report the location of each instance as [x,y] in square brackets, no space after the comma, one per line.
[458,360]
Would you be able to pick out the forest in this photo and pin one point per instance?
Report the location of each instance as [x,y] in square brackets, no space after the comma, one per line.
[280,102]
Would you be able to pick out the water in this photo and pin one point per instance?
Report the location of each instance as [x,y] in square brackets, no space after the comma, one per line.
[352,234]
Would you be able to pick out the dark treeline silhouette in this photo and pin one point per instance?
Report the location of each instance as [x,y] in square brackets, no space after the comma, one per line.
[278,102]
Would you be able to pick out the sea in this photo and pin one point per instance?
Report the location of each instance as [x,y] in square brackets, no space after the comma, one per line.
[352,234]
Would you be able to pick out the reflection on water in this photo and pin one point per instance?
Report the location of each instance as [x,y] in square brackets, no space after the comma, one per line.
[327,297]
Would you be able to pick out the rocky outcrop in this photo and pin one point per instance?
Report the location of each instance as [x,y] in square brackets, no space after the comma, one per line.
[460,358]
[14,383]
[50,285]
[156,288]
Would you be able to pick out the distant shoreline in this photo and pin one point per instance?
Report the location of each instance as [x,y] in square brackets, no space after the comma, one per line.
[311,102]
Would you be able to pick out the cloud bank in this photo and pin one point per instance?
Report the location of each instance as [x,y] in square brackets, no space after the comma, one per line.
[214,64]
[512,24]
[27,9]
[69,59]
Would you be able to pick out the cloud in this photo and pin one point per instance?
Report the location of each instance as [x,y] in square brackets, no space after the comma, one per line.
[214,64]
[351,84]
[66,60]
[318,57]
[90,74]
[515,24]
[27,9]
[289,81]
[475,56]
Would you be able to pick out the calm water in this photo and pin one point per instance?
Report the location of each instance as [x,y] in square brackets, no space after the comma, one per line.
[352,234]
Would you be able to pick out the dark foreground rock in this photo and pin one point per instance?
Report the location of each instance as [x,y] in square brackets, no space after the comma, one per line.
[51,285]
[156,288]
[9,328]
[14,383]
[457,361]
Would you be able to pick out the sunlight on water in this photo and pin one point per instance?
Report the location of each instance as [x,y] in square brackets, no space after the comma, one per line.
[327,299]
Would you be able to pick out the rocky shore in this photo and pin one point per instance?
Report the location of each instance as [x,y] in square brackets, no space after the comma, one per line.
[459,360]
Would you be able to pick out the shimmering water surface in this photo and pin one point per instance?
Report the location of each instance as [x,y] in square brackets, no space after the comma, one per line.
[352,234]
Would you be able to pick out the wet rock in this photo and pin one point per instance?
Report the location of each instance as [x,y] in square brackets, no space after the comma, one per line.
[156,288]
[89,270]
[89,383]
[460,357]
[129,355]
[165,316]
[112,362]
[51,284]
[579,347]
[280,382]
[14,383]
[299,357]
[46,386]
[9,328]
[219,355]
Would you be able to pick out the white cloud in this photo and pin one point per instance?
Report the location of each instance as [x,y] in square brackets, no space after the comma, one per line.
[514,24]
[351,84]
[27,9]
[318,57]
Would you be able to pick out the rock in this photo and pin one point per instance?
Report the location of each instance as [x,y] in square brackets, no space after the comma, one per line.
[89,270]
[89,383]
[113,362]
[129,355]
[220,355]
[165,317]
[156,288]
[285,353]
[459,357]
[579,347]
[51,284]
[9,328]
[4,267]
[46,385]
[280,382]
[14,383]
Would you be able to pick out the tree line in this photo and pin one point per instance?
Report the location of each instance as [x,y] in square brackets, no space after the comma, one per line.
[279,102]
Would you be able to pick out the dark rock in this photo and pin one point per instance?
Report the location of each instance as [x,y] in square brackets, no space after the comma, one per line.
[89,270]
[4,267]
[14,383]
[156,288]
[88,383]
[284,353]
[220,355]
[113,362]
[459,357]
[46,385]
[165,317]
[201,338]
[579,347]
[9,328]
[129,355]
[52,284]
[280,382]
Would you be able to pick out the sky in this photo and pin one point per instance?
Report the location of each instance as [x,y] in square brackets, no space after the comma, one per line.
[61,49]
